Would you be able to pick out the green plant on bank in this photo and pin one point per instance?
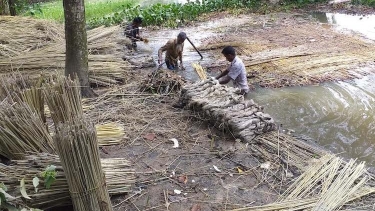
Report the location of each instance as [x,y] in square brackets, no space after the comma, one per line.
[110,12]
[370,3]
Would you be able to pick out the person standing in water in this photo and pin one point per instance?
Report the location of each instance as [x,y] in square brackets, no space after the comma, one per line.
[173,48]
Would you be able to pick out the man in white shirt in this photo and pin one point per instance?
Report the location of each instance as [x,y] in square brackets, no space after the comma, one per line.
[236,71]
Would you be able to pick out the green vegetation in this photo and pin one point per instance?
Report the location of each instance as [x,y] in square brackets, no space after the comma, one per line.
[174,14]
[370,3]
[109,12]
[94,9]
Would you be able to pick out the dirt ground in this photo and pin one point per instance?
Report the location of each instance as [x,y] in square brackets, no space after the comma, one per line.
[210,170]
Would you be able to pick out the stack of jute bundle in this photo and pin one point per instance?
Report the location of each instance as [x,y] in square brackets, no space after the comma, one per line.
[20,35]
[226,108]
[328,184]
[119,174]
[78,150]
[33,47]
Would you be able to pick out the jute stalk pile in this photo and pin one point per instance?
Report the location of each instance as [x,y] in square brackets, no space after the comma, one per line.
[162,82]
[327,185]
[33,47]
[22,130]
[77,147]
[227,109]
[21,35]
[290,152]
[119,174]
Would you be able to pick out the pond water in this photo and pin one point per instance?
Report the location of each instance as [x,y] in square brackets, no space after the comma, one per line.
[339,116]
[362,24]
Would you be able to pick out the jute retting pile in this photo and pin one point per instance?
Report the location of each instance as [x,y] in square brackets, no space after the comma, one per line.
[227,109]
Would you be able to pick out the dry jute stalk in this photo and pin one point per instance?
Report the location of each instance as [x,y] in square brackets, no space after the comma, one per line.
[22,130]
[77,147]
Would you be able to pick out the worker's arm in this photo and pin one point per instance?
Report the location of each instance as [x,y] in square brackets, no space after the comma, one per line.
[180,58]
[161,50]
[224,80]
[138,36]
[222,74]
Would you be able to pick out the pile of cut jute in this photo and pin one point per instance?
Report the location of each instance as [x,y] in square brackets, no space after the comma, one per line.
[226,109]
[119,176]
[33,47]
[21,35]
[328,184]
[162,82]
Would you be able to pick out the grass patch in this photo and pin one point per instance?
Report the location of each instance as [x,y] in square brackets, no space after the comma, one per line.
[94,9]
[370,3]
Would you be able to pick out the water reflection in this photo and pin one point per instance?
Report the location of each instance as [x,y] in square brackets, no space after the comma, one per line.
[338,115]
[364,24]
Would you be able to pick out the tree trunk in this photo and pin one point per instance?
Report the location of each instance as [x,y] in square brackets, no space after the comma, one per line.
[4,7]
[12,7]
[76,61]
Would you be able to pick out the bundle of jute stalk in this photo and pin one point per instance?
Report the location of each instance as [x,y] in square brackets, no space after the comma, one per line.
[77,147]
[22,130]
[227,109]
[200,71]
[109,134]
[63,98]
[327,184]
[17,88]
[119,174]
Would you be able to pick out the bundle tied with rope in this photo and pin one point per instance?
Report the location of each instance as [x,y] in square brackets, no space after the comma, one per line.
[226,109]
[77,147]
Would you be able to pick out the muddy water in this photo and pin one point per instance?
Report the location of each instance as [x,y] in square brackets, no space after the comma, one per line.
[339,116]
[362,24]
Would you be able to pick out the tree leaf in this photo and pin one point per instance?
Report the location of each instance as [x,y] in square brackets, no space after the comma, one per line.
[2,186]
[48,181]
[51,168]
[23,189]
[5,195]
[36,183]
